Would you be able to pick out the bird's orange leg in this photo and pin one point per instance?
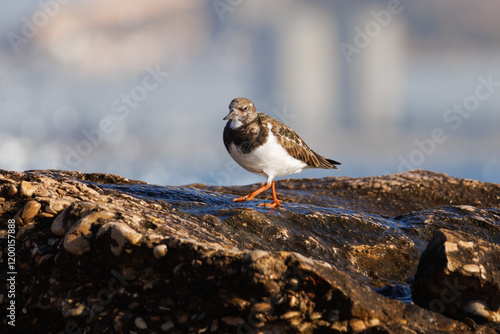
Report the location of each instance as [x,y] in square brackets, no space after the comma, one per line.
[275,203]
[251,196]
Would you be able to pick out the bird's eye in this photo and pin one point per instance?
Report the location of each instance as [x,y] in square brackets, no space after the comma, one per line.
[245,108]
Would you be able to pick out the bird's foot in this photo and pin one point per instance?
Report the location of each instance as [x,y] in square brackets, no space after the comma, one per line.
[276,204]
[243,198]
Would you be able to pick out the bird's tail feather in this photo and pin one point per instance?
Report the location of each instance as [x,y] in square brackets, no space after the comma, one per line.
[333,162]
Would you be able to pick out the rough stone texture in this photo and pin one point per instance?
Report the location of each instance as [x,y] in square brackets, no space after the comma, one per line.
[109,254]
[459,275]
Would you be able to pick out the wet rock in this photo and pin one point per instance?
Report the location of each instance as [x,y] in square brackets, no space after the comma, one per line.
[459,276]
[106,253]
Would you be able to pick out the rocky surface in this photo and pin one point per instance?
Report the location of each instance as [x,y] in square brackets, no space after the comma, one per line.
[100,253]
[459,276]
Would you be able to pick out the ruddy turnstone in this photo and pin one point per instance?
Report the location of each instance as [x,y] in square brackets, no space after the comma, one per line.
[267,147]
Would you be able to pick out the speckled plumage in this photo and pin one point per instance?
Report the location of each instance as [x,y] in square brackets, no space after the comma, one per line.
[267,147]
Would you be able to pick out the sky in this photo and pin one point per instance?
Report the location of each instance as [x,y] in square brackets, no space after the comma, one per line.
[139,88]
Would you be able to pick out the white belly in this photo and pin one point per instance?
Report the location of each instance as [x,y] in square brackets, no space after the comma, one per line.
[270,160]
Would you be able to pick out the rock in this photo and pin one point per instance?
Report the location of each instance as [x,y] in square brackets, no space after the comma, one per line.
[459,275]
[30,211]
[167,326]
[66,219]
[77,240]
[120,234]
[140,323]
[233,321]
[160,251]
[10,190]
[26,189]
[107,252]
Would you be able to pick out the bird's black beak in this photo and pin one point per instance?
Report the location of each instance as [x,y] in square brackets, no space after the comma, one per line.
[230,115]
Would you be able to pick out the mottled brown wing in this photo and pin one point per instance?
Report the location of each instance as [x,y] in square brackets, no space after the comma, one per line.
[294,145]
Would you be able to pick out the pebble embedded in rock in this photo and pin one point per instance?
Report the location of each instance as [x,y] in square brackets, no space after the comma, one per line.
[27,189]
[167,326]
[233,321]
[262,307]
[140,323]
[50,210]
[182,317]
[479,308]
[160,251]
[121,233]
[77,240]
[30,210]
[11,190]
[357,325]
[69,216]
[291,314]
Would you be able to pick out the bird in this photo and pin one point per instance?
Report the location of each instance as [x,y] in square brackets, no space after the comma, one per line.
[264,146]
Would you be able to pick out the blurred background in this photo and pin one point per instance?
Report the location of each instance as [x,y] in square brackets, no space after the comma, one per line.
[139,88]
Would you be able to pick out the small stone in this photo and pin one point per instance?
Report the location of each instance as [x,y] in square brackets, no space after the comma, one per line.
[160,251]
[263,307]
[258,320]
[17,218]
[357,325]
[10,190]
[182,317]
[77,310]
[167,326]
[478,309]
[30,211]
[77,240]
[323,323]
[303,327]
[294,301]
[147,286]
[27,189]
[471,268]
[58,205]
[133,305]
[233,321]
[140,323]
[45,258]
[239,303]
[291,314]
[293,283]
[214,326]
[316,316]
[65,220]
[46,215]
[23,230]
[295,321]
[122,233]
[50,210]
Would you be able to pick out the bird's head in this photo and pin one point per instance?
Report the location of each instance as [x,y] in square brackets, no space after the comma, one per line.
[241,111]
